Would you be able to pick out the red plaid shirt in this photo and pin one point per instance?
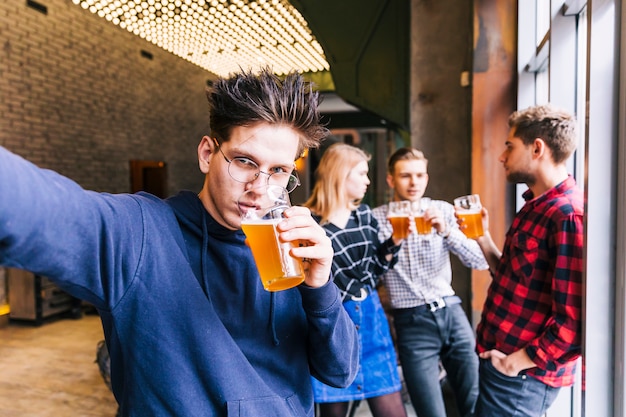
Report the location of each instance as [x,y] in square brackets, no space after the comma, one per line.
[535,298]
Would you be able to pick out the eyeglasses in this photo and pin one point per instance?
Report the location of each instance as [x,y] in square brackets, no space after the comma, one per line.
[246,170]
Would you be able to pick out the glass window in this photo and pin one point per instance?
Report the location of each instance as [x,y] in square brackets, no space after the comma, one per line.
[543,20]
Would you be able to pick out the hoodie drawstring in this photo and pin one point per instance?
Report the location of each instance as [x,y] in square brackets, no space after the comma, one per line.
[204,254]
[205,244]
[272,324]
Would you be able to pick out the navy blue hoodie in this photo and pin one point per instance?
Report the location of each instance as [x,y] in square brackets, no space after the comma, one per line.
[190,329]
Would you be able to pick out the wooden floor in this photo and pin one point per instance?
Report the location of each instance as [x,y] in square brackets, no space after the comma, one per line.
[50,370]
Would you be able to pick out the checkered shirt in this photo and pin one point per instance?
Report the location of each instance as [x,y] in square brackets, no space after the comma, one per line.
[535,298]
[360,258]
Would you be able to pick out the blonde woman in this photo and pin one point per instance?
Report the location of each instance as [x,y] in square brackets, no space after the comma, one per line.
[359,260]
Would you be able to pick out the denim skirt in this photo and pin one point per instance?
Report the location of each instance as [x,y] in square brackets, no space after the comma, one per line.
[378,368]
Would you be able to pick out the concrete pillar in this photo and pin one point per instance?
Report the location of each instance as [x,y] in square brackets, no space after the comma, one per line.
[462,75]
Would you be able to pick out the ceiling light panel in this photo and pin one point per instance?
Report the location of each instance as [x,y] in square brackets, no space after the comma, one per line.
[220,36]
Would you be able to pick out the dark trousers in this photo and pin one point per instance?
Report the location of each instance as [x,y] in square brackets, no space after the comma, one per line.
[518,396]
[424,339]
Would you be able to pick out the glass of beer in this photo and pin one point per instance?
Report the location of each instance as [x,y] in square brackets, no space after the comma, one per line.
[261,210]
[399,217]
[468,209]
[419,208]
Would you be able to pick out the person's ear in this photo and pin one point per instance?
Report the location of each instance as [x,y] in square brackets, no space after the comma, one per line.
[539,148]
[390,181]
[206,147]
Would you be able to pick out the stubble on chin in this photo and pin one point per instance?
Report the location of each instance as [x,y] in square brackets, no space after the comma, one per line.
[520,178]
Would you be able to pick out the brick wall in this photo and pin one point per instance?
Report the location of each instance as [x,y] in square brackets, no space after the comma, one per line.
[77,96]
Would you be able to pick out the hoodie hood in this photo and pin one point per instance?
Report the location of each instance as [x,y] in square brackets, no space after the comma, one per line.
[191,215]
[202,233]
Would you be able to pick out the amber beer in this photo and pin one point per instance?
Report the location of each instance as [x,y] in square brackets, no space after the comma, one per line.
[422,225]
[261,210]
[400,225]
[269,255]
[399,217]
[468,208]
[418,209]
[473,223]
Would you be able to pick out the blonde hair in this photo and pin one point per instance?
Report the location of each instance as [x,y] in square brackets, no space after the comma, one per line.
[329,193]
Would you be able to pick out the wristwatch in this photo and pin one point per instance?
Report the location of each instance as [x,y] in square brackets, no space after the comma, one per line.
[444,234]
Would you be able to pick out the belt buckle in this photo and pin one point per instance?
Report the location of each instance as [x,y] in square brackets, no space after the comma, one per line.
[438,304]
[362,296]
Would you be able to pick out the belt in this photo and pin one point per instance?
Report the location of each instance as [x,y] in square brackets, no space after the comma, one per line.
[433,306]
[363,293]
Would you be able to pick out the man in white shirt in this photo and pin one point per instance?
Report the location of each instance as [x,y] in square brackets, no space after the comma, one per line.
[431,326]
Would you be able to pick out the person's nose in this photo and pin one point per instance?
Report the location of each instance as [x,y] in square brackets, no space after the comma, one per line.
[260,180]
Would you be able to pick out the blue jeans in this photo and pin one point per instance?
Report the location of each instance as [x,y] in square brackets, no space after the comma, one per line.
[425,338]
[518,396]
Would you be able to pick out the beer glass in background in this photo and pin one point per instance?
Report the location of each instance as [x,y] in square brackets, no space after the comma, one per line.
[468,209]
[261,210]
[399,217]
[418,209]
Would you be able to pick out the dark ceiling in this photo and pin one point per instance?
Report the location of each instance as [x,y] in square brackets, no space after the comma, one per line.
[366,43]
